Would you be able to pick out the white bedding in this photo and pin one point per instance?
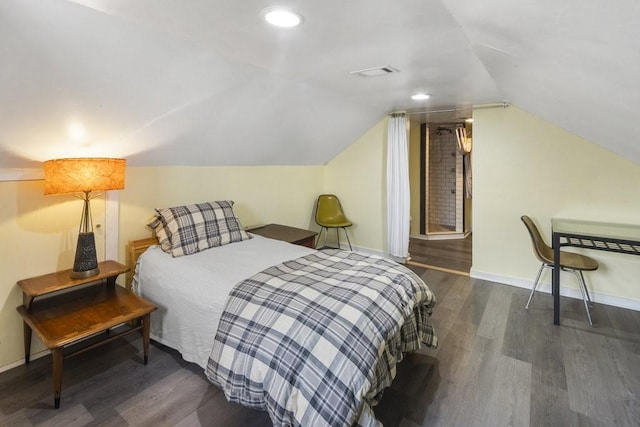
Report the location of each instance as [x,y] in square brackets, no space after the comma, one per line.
[191,291]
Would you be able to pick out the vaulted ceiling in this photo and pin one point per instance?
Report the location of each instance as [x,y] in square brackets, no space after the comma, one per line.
[208,82]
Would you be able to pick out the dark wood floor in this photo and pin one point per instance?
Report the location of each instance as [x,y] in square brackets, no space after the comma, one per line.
[498,364]
[450,254]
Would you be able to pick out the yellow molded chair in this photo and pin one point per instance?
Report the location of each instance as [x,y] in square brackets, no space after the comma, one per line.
[568,261]
[329,214]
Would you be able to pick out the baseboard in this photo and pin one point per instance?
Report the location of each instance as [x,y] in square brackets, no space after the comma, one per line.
[598,298]
[419,236]
[367,251]
[21,361]
[451,235]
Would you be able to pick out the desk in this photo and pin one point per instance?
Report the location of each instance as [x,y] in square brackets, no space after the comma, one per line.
[601,236]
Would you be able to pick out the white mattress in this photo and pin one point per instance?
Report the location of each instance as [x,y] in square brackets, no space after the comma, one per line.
[191,291]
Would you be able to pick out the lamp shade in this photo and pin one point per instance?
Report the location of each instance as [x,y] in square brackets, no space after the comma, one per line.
[75,175]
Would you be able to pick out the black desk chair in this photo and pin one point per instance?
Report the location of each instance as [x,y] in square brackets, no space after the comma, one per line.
[568,261]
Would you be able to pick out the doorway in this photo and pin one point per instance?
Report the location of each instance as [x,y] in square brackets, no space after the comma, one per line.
[444,214]
[445,199]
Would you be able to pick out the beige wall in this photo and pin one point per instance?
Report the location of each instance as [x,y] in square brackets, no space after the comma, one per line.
[40,232]
[414,175]
[524,165]
[262,194]
[39,235]
[358,177]
[521,164]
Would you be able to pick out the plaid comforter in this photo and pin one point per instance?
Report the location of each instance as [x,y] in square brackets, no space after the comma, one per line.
[314,340]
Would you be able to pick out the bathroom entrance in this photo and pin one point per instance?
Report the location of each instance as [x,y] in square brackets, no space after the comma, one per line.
[446,181]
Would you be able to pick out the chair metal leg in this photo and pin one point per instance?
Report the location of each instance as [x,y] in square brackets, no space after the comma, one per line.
[326,230]
[535,284]
[584,297]
[348,241]
[326,236]
[586,290]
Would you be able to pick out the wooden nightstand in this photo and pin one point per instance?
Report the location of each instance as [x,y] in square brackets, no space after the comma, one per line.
[67,319]
[297,236]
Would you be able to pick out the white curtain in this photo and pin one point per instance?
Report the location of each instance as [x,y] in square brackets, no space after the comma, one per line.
[398,202]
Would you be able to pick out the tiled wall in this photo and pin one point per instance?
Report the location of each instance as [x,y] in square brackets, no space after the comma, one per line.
[445,179]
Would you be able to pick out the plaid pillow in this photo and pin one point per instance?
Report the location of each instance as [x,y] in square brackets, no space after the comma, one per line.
[194,228]
[158,228]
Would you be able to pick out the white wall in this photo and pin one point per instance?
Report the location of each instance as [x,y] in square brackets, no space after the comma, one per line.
[524,165]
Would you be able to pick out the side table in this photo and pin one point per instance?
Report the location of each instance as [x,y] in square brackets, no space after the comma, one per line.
[297,236]
[66,320]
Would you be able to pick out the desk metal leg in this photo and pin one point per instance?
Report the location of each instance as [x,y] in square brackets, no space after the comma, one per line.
[555,281]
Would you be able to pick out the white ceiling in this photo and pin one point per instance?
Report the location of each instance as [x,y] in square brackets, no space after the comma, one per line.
[208,82]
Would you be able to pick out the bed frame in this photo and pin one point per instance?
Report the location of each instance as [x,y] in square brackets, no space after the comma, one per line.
[135,248]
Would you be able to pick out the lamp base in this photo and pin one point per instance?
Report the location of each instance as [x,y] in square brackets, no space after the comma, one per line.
[84,274]
[86,262]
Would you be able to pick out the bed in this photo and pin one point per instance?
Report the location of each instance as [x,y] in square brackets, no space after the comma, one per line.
[312,337]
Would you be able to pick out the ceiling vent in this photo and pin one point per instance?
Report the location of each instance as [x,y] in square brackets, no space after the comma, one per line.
[376,71]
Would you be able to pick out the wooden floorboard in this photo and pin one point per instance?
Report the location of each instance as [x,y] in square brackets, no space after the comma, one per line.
[451,255]
[497,364]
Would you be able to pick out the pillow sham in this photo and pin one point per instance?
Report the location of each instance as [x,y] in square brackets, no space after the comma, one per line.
[158,228]
[193,228]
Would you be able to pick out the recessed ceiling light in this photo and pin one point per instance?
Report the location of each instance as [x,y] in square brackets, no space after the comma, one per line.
[420,96]
[281,17]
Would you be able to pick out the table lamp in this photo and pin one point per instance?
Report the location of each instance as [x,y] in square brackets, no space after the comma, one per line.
[84,175]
